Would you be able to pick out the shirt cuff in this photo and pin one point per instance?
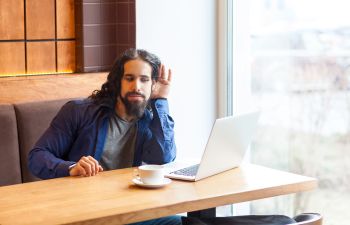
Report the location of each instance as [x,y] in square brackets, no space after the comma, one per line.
[62,169]
[71,166]
[160,105]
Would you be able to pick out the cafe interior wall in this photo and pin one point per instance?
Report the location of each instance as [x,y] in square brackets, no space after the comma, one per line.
[63,36]
[50,46]
[183,34]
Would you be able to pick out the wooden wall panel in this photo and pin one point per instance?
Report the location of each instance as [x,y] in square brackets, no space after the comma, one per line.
[30,41]
[65,56]
[12,59]
[41,57]
[65,19]
[50,87]
[11,19]
[40,22]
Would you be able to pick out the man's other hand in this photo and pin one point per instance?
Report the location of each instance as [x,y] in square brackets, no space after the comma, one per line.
[87,166]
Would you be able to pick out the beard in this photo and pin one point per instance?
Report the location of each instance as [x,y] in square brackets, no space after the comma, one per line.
[134,108]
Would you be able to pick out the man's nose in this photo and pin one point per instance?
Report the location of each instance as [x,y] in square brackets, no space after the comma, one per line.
[137,84]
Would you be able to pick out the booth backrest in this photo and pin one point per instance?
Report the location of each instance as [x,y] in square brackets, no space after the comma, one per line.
[33,118]
[10,168]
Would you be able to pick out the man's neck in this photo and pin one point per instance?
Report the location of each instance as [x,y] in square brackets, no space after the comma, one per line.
[120,110]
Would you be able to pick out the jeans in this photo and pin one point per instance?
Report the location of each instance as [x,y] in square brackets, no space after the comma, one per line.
[169,220]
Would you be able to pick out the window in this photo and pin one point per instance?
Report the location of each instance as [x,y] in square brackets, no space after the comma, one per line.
[291,59]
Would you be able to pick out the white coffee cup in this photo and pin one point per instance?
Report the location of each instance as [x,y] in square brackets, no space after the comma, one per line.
[151,174]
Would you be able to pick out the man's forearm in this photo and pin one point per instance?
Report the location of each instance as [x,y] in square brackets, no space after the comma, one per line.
[160,148]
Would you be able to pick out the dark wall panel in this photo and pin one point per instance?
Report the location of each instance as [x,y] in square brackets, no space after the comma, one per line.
[104,29]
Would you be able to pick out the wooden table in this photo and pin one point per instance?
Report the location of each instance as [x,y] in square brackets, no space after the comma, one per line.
[111,198]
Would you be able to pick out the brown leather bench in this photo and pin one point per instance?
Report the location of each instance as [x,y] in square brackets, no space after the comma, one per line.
[21,126]
[33,118]
[10,168]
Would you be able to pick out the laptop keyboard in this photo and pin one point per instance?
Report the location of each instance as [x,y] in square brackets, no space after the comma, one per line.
[187,171]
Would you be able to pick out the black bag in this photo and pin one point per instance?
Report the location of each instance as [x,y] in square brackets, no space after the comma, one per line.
[240,220]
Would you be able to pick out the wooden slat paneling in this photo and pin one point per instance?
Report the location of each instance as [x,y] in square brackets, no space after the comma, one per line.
[49,87]
[65,56]
[40,19]
[11,19]
[41,57]
[12,59]
[65,19]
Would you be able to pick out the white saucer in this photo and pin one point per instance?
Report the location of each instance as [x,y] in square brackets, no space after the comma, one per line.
[138,182]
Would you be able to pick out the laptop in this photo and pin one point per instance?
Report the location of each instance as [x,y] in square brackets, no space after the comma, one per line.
[228,141]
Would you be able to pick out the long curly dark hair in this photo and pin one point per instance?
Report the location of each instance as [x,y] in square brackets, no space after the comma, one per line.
[110,90]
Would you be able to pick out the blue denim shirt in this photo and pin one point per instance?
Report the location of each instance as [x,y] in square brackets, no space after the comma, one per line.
[80,129]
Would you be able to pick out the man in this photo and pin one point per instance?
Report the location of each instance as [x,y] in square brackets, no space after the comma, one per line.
[124,124]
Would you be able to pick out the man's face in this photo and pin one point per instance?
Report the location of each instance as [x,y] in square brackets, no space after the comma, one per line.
[136,86]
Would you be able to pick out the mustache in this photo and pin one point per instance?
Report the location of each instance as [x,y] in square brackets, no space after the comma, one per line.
[135,93]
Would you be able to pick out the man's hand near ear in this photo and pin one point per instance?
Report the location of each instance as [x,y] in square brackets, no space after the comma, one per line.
[161,87]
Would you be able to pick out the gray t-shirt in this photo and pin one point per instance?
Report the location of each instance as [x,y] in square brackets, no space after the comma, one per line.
[119,148]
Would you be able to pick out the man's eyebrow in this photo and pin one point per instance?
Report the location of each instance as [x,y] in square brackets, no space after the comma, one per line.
[133,75]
